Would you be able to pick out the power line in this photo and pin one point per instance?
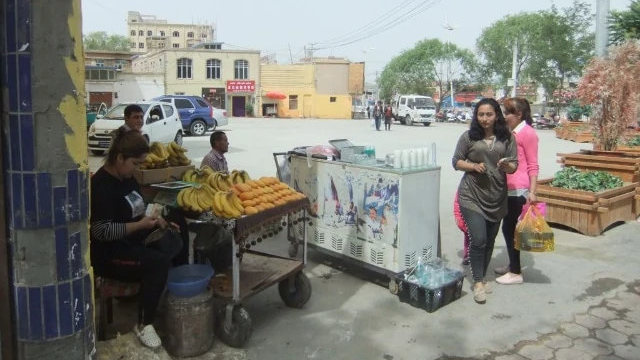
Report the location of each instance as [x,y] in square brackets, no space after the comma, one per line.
[383,26]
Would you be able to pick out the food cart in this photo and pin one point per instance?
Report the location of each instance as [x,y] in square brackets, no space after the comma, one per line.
[373,215]
[251,271]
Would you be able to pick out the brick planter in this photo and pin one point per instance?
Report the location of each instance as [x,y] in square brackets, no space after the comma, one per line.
[587,212]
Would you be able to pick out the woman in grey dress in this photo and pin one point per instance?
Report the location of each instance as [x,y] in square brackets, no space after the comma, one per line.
[486,153]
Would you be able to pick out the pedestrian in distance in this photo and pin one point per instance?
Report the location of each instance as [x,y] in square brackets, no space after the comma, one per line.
[388,116]
[377,114]
[368,111]
[486,153]
[521,184]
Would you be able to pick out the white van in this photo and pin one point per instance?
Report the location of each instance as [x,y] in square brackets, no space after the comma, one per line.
[410,109]
[161,123]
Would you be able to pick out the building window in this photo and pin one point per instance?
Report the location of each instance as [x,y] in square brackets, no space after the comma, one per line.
[133,33]
[176,34]
[149,33]
[184,68]
[176,45]
[141,45]
[132,44]
[332,99]
[213,69]
[161,45]
[140,33]
[100,62]
[190,34]
[293,102]
[99,74]
[161,32]
[241,69]
[203,35]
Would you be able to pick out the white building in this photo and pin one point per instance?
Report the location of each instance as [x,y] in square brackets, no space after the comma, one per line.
[147,33]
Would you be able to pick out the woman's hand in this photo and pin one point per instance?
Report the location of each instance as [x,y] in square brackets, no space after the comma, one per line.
[532,198]
[148,222]
[506,165]
[479,167]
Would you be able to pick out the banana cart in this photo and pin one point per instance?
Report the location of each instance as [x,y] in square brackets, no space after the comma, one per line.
[253,271]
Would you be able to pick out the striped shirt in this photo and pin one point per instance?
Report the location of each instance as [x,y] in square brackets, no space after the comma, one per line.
[216,161]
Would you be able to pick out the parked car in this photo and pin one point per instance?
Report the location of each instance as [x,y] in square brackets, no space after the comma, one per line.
[161,123]
[196,114]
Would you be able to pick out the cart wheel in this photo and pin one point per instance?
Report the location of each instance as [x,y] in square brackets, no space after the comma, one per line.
[293,249]
[295,294]
[239,331]
[393,286]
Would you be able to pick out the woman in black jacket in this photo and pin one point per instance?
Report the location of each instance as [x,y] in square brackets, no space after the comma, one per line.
[119,227]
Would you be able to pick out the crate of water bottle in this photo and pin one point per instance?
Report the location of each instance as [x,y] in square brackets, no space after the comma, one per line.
[430,285]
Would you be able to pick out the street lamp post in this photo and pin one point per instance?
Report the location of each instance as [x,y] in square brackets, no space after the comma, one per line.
[449,71]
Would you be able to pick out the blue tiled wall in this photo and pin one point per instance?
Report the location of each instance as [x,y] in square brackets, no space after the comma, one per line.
[50,311]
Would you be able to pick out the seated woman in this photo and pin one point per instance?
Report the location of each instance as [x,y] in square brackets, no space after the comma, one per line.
[119,228]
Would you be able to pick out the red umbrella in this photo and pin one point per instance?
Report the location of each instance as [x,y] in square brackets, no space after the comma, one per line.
[275,95]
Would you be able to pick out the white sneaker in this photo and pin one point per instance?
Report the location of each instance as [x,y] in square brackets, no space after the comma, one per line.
[510,279]
[148,336]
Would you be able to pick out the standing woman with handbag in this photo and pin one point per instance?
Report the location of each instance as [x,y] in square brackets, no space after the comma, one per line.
[486,153]
[119,228]
[521,184]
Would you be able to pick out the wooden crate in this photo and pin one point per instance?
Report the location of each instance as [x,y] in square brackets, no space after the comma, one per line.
[587,212]
[626,165]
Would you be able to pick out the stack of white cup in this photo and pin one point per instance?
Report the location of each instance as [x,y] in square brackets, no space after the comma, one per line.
[411,158]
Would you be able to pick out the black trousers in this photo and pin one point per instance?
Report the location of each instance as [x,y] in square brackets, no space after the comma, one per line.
[214,242]
[387,123]
[482,234]
[147,264]
[509,228]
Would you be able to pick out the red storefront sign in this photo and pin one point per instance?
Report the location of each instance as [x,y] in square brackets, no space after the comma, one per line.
[241,86]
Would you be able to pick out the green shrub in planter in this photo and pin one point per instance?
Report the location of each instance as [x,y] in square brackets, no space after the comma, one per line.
[595,181]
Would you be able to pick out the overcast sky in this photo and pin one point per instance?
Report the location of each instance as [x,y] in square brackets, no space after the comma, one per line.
[361,27]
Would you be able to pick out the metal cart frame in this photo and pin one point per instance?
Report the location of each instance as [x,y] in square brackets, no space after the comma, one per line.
[260,270]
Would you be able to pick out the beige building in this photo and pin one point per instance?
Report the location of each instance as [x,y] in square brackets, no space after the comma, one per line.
[228,79]
[316,88]
[118,60]
[148,33]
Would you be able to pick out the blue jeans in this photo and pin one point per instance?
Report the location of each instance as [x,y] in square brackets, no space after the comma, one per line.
[482,234]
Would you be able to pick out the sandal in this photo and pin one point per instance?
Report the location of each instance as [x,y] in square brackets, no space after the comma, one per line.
[148,336]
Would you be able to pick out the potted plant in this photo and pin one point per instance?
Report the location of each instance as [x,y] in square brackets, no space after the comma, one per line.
[612,87]
[588,201]
[248,108]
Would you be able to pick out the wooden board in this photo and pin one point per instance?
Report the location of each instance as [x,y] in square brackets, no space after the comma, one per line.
[619,163]
[587,212]
[257,272]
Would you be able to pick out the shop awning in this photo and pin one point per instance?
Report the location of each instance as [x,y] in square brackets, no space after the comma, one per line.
[275,95]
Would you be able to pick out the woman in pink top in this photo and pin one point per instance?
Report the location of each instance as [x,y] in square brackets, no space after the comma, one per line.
[521,185]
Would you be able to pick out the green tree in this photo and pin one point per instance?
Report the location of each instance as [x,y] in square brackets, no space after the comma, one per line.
[624,25]
[553,46]
[427,67]
[100,40]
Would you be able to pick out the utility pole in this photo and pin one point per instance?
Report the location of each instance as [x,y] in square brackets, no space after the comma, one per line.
[602,30]
[290,55]
[514,69]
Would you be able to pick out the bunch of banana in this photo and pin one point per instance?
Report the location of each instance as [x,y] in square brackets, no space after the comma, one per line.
[176,155]
[239,176]
[220,181]
[199,176]
[226,204]
[198,199]
[157,158]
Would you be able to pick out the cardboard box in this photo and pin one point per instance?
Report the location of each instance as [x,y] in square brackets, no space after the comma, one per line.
[154,176]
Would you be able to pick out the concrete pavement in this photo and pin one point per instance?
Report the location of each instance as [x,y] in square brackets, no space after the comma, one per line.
[579,302]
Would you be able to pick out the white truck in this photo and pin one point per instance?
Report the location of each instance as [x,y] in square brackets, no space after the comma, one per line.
[410,109]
